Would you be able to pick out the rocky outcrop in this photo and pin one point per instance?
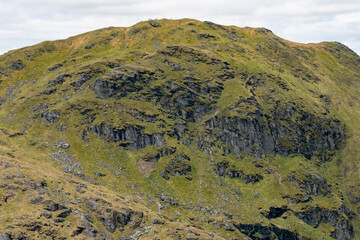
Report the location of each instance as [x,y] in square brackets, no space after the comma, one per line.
[178,166]
[259,232]
[224,169]
[50,116]
[275,212]
[314,216]
[5,236]
[154,23]
[17,65]
[130,137]
[298,198]
[113,219]
[287,130]
[56,66]
[90,71]
[121,81]
[163,152]
[59,80]
[184,103]
[310,183]
[66,160]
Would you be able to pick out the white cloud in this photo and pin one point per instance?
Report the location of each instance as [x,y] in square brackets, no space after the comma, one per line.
[26,22]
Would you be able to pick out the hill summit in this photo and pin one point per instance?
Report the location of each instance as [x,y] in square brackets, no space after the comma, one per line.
[180,129]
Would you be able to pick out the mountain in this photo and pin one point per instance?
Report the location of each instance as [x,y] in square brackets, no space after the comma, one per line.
[180,129]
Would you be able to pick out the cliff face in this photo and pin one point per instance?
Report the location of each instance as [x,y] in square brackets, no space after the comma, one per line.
[179,130]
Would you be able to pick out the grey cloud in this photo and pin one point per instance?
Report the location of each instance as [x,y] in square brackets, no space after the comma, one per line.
[26,22]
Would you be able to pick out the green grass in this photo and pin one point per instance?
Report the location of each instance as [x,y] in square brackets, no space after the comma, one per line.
[277,64]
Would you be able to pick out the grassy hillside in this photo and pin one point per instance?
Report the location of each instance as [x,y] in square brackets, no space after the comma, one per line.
[180,129]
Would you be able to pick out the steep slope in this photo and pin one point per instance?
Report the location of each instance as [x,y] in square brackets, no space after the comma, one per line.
[180,129]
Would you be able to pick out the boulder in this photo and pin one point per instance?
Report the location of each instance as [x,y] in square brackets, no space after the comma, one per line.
[17,65]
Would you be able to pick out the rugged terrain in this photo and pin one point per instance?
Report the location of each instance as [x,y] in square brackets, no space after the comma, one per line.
[180,129]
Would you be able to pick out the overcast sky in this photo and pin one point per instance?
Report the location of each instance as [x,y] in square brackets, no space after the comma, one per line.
[27,22]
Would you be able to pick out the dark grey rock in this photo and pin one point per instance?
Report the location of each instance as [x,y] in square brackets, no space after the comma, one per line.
[165,175]
[64,214]
[169,200]
[17,65]
[214,26]
[50,116]
[267,232]
[122,81]
[134,31]
[187,142]
[157,221]
[314,216]
[259,134]
[163,152]
[154,23]
[224,169]
[180,130]
[124,217]
[58,220]
[229,227]
[275,212]
[35,200]
[205,35]
[55,207]
[90,232]
[49,91]
[78,231]
[46,214]
[84,77]
[312,184]
[90,46]
[99,174]
[5,236]
[67,162]
[129,137]
[63,144]
[352,198]
[59,80]
[61,127]
[298,198]
[177,167]
[56,66]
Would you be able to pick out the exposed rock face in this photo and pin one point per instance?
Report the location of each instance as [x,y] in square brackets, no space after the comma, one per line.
[65,159]
[113,219]
[287,131]
[312,184]
[316,215]
[17,65]
[89,71]
[161,153]
[131,137]
[56,66]
[5,236]
[352,198]
[51,116]
[275,212]
[59,80]
[224,169]
[83,78]
[258,231]
[177,167]
[122,81]
[185,103]
[154,23]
